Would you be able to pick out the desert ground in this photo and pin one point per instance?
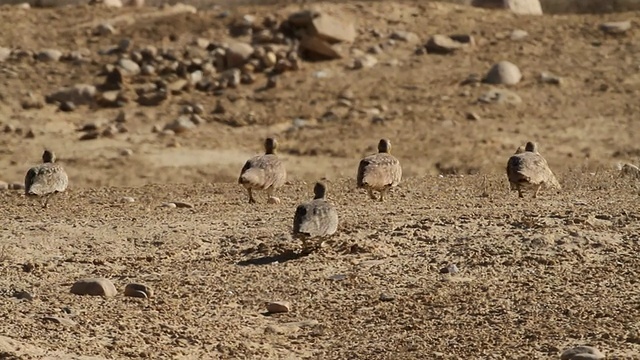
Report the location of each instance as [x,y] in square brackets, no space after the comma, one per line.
[536,276]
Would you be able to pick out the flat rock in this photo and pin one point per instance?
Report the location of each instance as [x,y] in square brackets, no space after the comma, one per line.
[49,55]
[237,54]
[364,62]
[291,327]
[500,96]
[80,94]
[278,307]
[443,44]
[94,286]
[615,27]
[180,125]
[503,72]
[332,29]
[582,353]
[138,290]
[59,320]
[406,36]
[319,47]
[129,67]
[549,78]
[182,204]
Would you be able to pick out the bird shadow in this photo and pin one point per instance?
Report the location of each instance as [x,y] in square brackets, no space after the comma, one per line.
[287,255]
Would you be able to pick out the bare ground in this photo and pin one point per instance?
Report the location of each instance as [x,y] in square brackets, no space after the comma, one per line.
[536,276]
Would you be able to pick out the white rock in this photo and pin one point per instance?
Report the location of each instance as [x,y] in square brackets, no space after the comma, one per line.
[4,53]
[617,27]
[130,67]
[524,7]
[364,62]
[237,54]
[112,3]
[49,55]
[503,72]
[518,34]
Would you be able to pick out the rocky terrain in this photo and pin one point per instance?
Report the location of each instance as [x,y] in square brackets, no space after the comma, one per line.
[153,111]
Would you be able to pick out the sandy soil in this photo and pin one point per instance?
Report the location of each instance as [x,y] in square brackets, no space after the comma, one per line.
[536,276]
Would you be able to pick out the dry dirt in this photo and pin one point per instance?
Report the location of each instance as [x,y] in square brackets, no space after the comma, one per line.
[536,275]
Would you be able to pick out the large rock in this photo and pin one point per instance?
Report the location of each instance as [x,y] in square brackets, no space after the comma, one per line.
[524,7]
[319,48]
[80,94]
[443,44]
[503,72]
[237,54]
[333,29]
[96,287]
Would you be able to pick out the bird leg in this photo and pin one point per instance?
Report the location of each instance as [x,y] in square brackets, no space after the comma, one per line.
[272,199]
[535,193]
[370,191]
[382,193]
[45,204]
[251,199]
[519,191]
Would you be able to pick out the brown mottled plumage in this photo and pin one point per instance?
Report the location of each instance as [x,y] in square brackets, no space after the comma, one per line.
[529,170]
[379,172]
[317,218]
[264,172]
[46,179]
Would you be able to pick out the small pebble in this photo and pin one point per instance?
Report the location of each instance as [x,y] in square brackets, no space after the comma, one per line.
[385,297]
[127,199]
[181,204]
[138,290]
[278,307]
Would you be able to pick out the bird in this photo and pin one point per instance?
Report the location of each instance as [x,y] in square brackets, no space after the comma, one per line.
[264,172]
[46,179]
[379,172]
[316,219]
[529,170]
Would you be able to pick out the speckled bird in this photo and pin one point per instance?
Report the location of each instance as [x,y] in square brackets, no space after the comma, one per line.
[46,179]
[529,170]
[379,172]
[264,172]
[316,219]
